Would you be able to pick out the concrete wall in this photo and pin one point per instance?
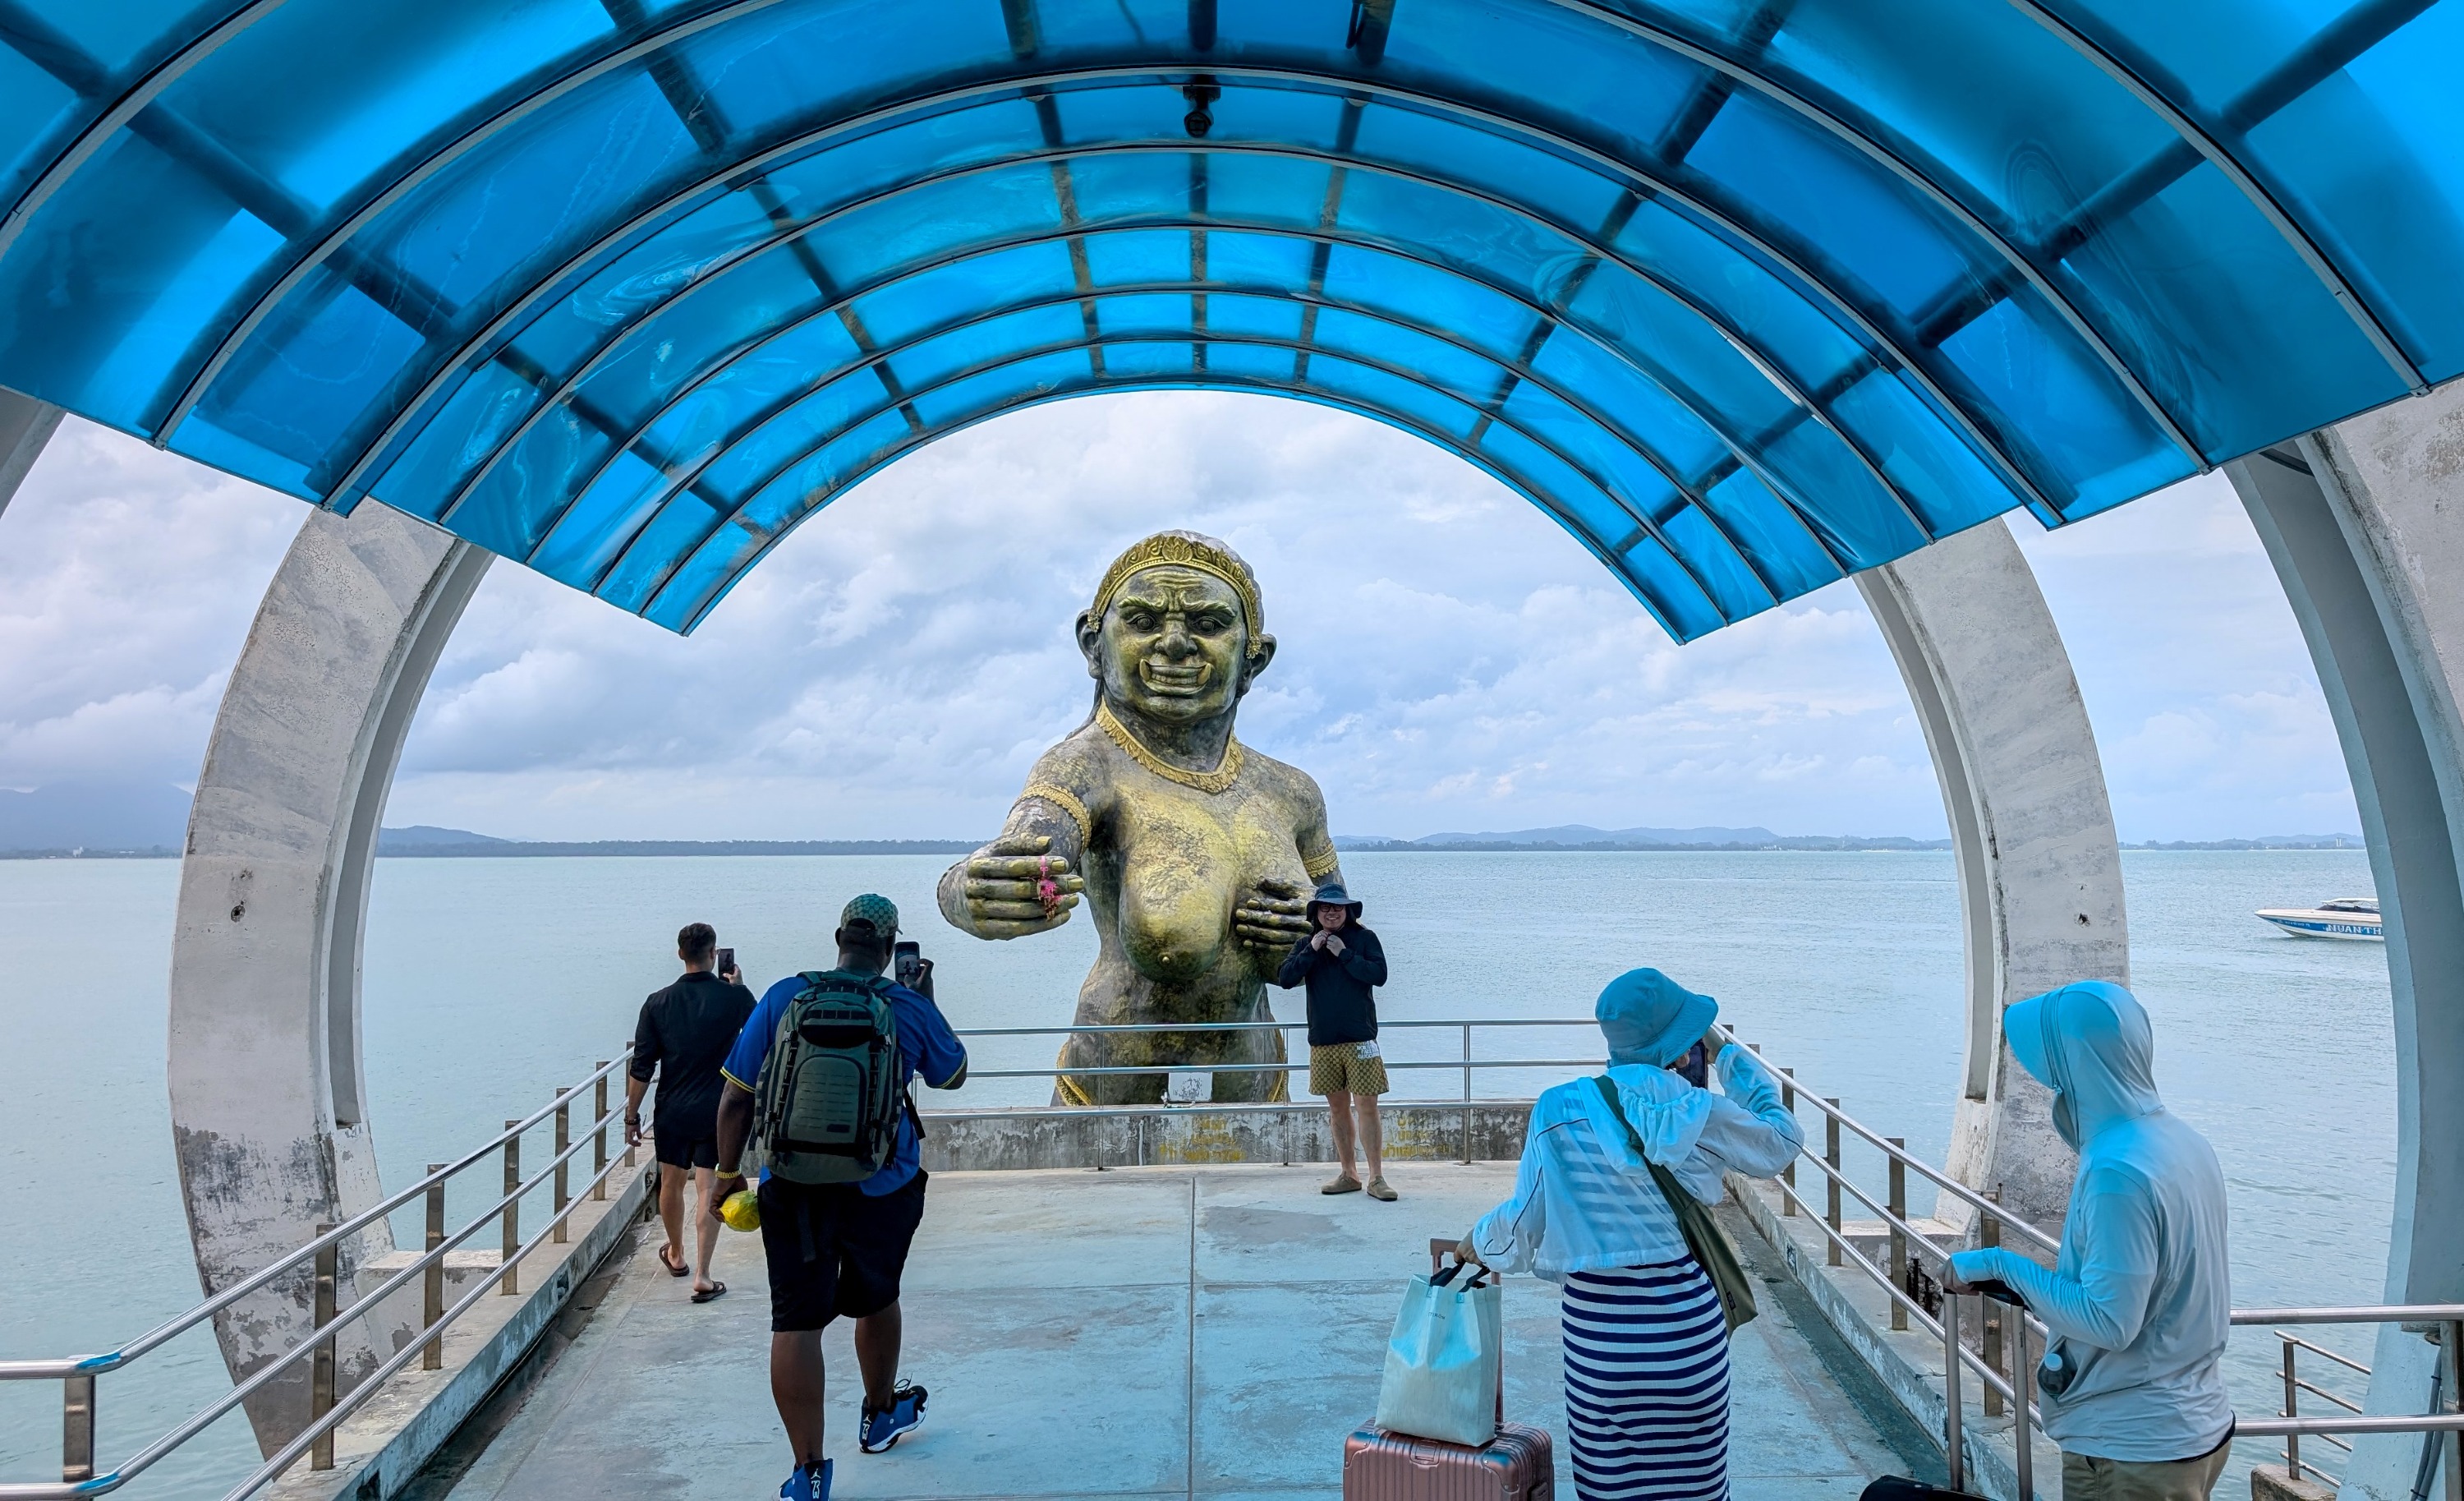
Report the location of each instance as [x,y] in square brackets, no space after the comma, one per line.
[2032,831]
[1036,1137]
[26,426]
[267,1098]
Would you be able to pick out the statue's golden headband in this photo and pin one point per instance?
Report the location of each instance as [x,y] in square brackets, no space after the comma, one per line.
[1183,552]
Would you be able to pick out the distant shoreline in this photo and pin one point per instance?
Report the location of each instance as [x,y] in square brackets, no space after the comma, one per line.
[636,848]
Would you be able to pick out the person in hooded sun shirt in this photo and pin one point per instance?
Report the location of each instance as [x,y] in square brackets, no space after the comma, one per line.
[2138,1303]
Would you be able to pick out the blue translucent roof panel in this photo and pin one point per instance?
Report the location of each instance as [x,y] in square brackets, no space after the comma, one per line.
[1745,297]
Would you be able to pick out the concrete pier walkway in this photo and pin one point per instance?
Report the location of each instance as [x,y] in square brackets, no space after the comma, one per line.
[1140,1333]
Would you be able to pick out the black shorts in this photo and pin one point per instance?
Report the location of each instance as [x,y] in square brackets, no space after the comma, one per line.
[682,1151]
[834,1251]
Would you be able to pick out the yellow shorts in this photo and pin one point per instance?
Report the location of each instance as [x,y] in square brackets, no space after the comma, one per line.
[1340,1069]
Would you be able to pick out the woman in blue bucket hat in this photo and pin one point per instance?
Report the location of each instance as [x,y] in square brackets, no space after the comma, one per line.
[1646,1341]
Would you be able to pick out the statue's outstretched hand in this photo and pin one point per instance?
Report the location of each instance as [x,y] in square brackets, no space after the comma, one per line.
[1274,917]
[1016,888]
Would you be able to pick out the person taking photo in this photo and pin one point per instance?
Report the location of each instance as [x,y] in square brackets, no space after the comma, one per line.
[1343,964]
[837,1248]
[682,1036]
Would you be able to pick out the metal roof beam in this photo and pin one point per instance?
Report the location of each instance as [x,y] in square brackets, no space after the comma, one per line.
[2133,71]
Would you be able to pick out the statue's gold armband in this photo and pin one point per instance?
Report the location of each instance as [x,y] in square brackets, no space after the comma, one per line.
[1065,800]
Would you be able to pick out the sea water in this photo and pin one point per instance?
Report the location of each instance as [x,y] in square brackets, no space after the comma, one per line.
[489,982]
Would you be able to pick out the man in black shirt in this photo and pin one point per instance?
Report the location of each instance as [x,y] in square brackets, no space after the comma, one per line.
[1342,963]
[684,1036]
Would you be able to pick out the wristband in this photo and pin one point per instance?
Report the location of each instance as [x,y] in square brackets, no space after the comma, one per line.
[725,1173]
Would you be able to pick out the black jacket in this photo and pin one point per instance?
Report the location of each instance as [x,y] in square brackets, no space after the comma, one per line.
[1341,1009]
[683,1036]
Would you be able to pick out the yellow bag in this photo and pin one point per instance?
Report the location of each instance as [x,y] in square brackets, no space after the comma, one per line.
[741,1211]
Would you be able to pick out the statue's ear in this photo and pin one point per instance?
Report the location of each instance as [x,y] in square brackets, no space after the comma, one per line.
[1260,652]
[1089,630]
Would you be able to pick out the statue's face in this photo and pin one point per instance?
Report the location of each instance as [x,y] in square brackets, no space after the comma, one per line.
[1172,647]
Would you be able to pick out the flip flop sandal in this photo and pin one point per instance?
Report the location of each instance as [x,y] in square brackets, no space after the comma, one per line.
[717,1289]
[675,1268]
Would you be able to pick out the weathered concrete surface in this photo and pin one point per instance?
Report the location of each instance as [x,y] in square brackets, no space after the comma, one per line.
[265,1078]
[2365,523]
[1142,1332]
[1038,1136]
[2032,831]
[2271,1483]
[26,426]
[380,1449]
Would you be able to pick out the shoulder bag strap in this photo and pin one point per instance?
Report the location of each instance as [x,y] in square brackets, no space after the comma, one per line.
[1704,1238]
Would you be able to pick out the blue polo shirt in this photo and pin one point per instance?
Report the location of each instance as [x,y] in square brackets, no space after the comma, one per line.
[926,1046]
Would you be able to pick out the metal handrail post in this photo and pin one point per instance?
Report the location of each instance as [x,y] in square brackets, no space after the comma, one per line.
[431,1301]
[599,1131]
[1831,1180]
[2025,1456]
[1989,1337]
[1787,1102]
[2453,1442]
[564,1139]
[320,1365]
[509,1286]
[1899,1238]
[1953,1445]
[1466,1094]
[77,1427]
[2292,1408]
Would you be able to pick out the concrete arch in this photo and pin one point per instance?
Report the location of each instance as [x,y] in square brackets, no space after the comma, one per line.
[2365,523]
[268,1097]
[2039,868]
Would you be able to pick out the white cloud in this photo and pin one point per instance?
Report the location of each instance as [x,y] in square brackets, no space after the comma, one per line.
[1449,658]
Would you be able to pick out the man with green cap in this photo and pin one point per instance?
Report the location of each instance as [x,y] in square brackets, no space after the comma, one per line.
[839,1249]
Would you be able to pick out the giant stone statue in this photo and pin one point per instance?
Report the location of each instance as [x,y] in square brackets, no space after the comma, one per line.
[1196,852]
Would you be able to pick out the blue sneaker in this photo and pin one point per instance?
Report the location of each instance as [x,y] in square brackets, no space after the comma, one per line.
[809,1482]
[904,1415]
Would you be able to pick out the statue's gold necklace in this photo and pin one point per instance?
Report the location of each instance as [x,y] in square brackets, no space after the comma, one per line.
[1220,779]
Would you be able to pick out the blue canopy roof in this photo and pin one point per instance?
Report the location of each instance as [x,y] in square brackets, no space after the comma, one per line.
[1747,296]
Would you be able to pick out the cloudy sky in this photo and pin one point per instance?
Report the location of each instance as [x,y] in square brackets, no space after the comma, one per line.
[1450,660]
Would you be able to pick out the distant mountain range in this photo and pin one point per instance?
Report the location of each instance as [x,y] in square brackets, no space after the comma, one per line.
[95,818]
[98,818]
[1583,836]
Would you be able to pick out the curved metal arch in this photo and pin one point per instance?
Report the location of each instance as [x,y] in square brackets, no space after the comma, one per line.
[673,485]
[2018,258]
[1902,357]
[1643,521]
[2240,175]
[1747,346]
[131,103]
[656,39]
[1703,411]
[1097,385]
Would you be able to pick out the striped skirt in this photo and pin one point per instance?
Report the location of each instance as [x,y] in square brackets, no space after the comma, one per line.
[1646,1384]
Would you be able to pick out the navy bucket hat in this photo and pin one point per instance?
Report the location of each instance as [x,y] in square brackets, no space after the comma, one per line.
[1332,894]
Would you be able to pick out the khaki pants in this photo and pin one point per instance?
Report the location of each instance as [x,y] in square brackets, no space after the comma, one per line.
[2085,1478]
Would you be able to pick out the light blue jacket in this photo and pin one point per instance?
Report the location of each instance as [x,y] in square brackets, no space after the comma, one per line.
[1583,1199]
[2137,1302]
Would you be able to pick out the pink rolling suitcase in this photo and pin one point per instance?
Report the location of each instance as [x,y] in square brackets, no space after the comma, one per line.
[1518,1464]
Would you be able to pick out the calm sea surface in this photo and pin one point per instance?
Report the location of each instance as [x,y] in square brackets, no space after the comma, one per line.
[490,982]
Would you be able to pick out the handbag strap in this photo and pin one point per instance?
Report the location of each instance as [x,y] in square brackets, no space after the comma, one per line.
[1669,1186]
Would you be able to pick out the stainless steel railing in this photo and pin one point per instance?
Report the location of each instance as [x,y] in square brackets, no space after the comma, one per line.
[2007,1386]
[78,1375]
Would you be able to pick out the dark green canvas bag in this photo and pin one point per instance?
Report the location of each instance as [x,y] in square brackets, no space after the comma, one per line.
[1702,1234]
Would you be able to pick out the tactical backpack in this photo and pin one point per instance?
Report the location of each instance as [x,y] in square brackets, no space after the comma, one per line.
[828,1100]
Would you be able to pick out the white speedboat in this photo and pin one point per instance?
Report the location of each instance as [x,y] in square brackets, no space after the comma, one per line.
[2354,918]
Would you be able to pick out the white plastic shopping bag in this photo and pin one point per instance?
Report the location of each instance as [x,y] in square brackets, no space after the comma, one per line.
[1441,1363]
